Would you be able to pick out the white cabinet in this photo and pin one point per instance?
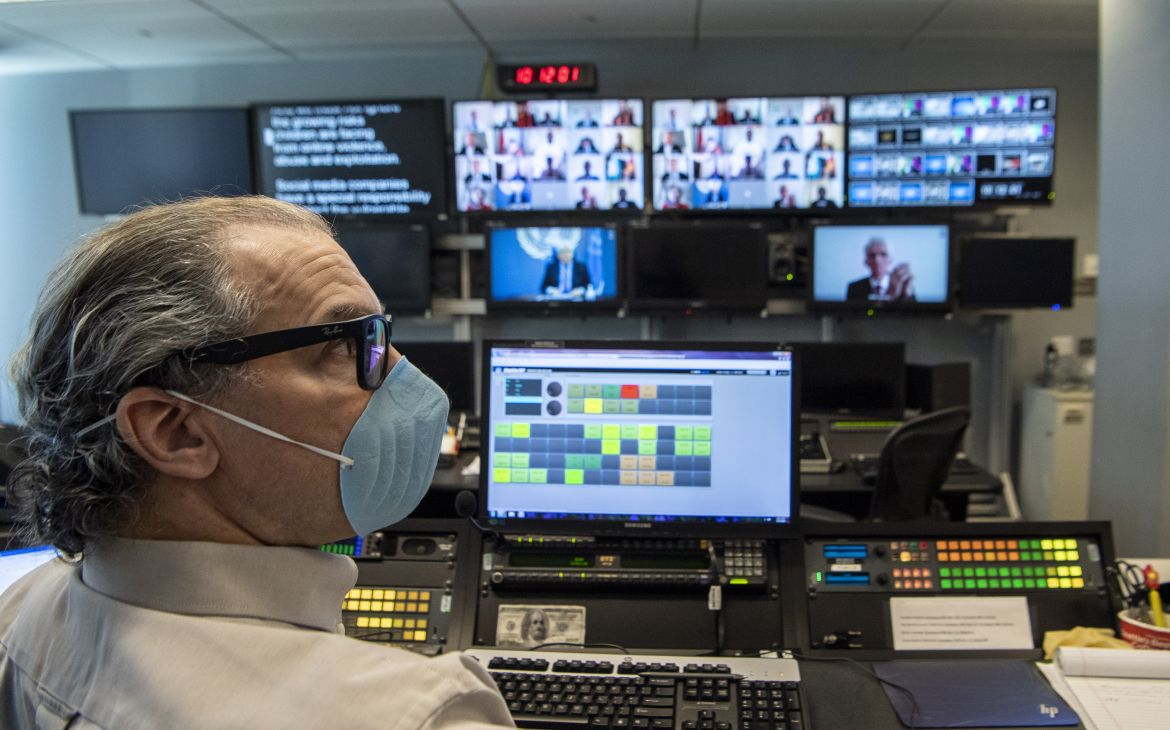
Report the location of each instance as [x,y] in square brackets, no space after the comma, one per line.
[1055,443]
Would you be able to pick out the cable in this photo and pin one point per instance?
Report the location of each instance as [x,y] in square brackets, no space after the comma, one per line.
[598,645]
[853,662]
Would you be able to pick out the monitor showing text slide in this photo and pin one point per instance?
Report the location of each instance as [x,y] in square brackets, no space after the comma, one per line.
[650,435]
[363,159]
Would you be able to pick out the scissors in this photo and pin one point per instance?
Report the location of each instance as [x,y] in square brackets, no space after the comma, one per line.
[1131,582]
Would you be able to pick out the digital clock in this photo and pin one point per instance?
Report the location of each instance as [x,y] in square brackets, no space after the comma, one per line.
[522,77]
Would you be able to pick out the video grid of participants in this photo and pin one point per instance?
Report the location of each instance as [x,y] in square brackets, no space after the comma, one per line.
[951,148]
[749,153]
[549,155]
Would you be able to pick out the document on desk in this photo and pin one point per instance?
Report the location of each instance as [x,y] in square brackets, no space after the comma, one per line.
[961,622]
[1113,689]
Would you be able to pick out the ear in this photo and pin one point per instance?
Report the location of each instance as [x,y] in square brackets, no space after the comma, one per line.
[167,433]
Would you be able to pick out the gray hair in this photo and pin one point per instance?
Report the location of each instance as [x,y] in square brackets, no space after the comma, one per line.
[112,316]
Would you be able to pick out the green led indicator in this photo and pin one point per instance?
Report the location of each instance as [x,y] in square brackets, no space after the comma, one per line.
[820,576]
[739,581]
[789,277]
[869,312]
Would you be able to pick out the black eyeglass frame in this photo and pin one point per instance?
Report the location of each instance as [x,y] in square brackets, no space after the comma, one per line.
[251,347]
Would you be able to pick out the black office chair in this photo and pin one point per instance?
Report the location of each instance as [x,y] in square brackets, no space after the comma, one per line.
[915,460]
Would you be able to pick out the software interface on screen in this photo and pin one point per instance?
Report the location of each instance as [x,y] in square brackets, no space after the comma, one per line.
[14,564]
[748,153]
[639,434]
[887,265]
[951,148]
[559,264]
[548,154]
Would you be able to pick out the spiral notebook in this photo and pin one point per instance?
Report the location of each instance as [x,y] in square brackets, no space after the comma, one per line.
[973,693]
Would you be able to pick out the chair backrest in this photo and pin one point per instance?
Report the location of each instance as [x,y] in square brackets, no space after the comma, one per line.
[915,461]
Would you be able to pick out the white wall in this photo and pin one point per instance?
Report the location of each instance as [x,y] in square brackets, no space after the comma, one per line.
[38,203]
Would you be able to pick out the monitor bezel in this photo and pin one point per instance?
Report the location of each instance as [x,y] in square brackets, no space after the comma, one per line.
[444,185]
[642,304]
[555,307]
[648,528]
[79,186]
[767,212]
[972,240]
[570,215]
[874,307]
[976,205]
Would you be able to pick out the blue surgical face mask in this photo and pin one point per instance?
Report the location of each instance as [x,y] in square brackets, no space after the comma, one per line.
[389,458]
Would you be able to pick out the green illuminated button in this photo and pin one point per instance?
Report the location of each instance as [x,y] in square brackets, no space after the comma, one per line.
[702,448]
[521,430]
[629,431]
[611,391]
[970,583]
[968,572]
[611,446]
[520,476]
[684,448]
[648,432]
[611,431]
[980,572]
[611,405]
[702,433]
[593,391]
[503,429]
[647,448]
[1017,583]
[593,431]
[1015,572]
[1029,583]
[629,406]
[577,391]
[944,572]
[538,476]
[738,581]
[502,459]
[684,433]
[1048,555]
[993,572]
[576,405]
[593,461]
[981,583]
[520,460]
[945,583]
[574,476]
[993,583]
[574,461]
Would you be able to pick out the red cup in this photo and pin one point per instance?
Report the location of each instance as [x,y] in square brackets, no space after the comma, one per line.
[1141,634]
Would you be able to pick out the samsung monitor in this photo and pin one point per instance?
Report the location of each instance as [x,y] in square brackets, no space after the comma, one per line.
[128,157]
[18,562]
[896,267]
[748,153]
[580,155]
[952,148]
[697,267]
[395,260]
[639,438]
[568,268]
[856,378]
[450,364]
[1016,273]
[362,159]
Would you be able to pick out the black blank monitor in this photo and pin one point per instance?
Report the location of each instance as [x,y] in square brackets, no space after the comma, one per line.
[698,267]
[395,260]
[853,378]
[127,157]
[1016,273]
[450,364]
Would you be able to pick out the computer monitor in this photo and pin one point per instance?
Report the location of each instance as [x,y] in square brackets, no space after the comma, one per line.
[128,157]
[565,268]
[748,153]
[17,562]
[952,148]
[450,364]
[1016,273]
[395,260]
[878,267]
[581,155]
[639,438]
[362,159]
[855,378]
[697,267]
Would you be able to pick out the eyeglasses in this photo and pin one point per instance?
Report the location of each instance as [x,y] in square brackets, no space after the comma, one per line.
[370,334]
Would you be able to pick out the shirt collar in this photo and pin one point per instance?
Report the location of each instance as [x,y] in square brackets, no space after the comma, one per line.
[296,585]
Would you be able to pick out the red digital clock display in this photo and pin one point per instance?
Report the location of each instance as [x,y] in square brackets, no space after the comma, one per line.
[529,76]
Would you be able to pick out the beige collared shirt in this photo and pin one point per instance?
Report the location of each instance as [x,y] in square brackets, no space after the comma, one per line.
[150,634]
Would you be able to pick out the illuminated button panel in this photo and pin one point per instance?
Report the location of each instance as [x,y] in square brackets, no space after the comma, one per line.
[400,615]
[953,565]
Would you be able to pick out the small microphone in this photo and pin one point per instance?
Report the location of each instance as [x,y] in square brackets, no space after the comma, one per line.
[466,505]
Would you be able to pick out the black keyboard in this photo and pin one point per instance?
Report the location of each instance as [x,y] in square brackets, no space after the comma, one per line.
[553,690]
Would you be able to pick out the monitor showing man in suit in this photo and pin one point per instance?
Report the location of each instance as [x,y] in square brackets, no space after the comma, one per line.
[883,283]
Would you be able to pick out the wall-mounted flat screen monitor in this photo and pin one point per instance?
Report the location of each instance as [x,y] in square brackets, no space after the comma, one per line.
[639,438]
[1016,273]
[395,260]
[450,364]
[952,148]
[549,154]
[572,268]
[748,153]
[881,267]
[128,157]
[361,159]
[858,378]
[680,267]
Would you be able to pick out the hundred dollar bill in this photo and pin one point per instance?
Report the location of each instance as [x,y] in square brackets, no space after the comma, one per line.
[528,626]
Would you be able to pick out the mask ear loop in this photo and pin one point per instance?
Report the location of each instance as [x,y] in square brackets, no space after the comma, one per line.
[346,462]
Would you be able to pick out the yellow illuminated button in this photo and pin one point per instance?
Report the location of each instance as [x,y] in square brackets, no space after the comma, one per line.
[424,608]
[412,596]
[905,557]
[412,608]
[409,623]
[422,623]
[353,593]
[363,622]
[397,623]
[420,636]
[376,606]
[1054,582]
[424,595]
[363,605]
[367,594]
[1078,582]
[1065,582]
[1076,571]
[1060,555]
[379,594]
[351,605]
[1045,544]
[390,595]
[1074,555]
[1062,571]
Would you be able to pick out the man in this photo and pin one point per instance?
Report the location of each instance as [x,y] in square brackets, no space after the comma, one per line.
[198,598]
[587,201]
[586,147]
[586,172]
[564,276]
[786,172]
[476,174]
[623,201]
[784,199]
[669,145]
[673,173]
[534,627]
[620,146]
[882,284]
[473,145]
[823,200]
